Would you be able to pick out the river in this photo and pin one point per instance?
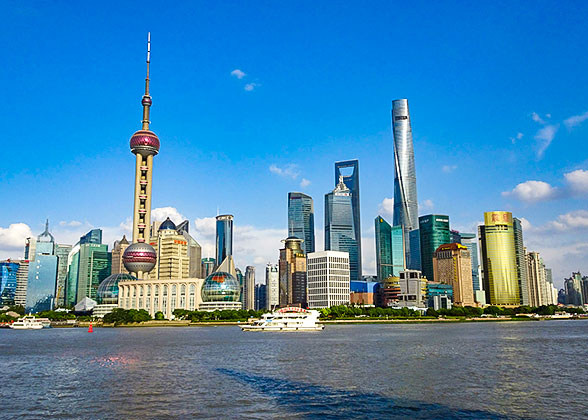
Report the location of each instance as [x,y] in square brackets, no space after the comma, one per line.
[489,370]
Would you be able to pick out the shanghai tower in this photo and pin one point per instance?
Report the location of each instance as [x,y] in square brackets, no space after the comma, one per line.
[405,191]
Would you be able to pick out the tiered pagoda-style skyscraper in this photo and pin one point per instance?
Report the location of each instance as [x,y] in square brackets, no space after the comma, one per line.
[140,257]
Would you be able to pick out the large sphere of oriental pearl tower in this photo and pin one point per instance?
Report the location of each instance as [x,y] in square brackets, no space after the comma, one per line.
[139,258]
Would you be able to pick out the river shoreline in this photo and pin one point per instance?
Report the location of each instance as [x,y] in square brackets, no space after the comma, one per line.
[187,323]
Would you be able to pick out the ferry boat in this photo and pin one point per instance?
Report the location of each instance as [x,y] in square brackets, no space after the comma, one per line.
[28,322]
[286,319]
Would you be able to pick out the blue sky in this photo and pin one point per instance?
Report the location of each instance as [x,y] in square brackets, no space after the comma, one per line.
[497,94]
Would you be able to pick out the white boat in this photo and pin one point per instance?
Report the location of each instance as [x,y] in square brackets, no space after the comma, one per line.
[28,322]
[286,319]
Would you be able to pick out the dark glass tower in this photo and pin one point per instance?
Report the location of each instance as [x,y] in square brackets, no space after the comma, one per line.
[434,232]
[339,226]
[405,193]
[352,182]
[389,249]
[301,219]
[224,237]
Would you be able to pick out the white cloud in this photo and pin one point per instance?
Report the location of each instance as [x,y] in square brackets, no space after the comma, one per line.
[544,137]
[517,137]
[575,120]
[304,183]
[577,181]
[538,119]
[572,221]
[161,213]
[238,74]
[448,168]
[532,191]
[288,171]
[12,240]
[386,207]
[73,223]
[427,205]
[250,86]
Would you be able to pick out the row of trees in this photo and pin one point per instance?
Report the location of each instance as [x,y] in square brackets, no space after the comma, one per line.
[226,315]
[126,316]
[343,311]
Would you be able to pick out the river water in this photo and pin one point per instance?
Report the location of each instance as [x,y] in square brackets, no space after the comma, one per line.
[489,370]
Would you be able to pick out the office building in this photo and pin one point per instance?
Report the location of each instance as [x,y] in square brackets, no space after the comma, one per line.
[469,240]
[498,258]
[30,249]
[454,237]
[22,279]
[584,285]
[573,289]
[139,258]
[339,226]
[439,295]
[413,289]
[389,249]
[405,192]
[62,253]
[521,262]
[8,275]
[363,292]
[328,279]
[194,251]
[260,296]
[92,237]
[171,248]
[351,180]
[387,293]
[224,237]
[249,288]
[118,251]
[414,263]
[301,219]
[452,265]
[94,263]
[42,274]
[292,273]
[208,265]
[434,232]
[272,282]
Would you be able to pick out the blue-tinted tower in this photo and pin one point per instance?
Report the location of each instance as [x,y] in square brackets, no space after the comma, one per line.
[8,272]
[352,182]
[42,274]
[224,237]
[301,219]
[339,227]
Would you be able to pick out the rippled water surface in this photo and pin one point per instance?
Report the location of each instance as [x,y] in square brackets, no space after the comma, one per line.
[468,370]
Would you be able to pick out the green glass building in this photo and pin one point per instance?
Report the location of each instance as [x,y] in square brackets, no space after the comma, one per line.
[94,266]
[389,249]
[434,232]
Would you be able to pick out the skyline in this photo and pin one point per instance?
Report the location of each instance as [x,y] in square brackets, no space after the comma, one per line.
[537,174]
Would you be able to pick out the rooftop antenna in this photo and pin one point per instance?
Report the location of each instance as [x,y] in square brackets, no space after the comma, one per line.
[146,101]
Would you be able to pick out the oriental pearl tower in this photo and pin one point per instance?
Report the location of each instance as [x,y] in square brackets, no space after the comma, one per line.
[140,257]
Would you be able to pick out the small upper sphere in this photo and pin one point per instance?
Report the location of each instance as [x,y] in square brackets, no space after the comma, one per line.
[145,142]
[146,101]
[139,257]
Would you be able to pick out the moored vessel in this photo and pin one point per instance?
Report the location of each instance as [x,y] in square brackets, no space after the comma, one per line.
[286,319]
[28,322]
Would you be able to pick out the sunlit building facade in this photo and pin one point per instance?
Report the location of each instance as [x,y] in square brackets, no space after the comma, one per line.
[118,251]
[292,273]
[452,265]
[470,241]
[249,288]
[522,267]
[62,253]
[272,283]
[499,263]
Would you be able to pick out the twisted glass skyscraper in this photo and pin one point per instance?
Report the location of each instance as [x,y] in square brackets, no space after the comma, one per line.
[405,192]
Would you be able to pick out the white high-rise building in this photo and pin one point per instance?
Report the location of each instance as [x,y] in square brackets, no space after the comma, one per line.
[327,279]
[272,282]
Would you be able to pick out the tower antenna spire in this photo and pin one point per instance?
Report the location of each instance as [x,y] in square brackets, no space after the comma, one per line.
[146,101]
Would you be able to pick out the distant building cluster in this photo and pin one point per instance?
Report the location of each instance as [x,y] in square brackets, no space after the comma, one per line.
[420,261]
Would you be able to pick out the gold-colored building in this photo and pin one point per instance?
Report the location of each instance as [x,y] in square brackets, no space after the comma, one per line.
[117,256]
[292,266]
[499,264]
[452,264]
